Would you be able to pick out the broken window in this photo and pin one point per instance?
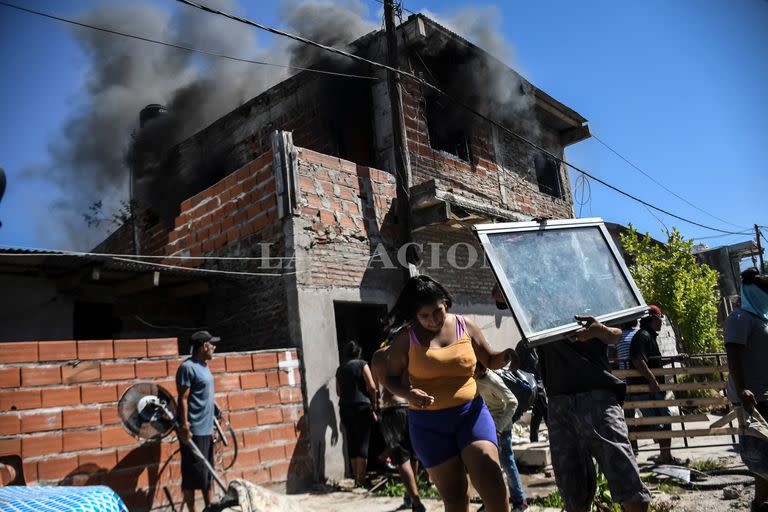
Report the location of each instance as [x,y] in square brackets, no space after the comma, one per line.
[446,129]
[548,175]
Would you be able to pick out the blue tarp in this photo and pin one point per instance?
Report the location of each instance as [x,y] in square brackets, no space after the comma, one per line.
[98,498]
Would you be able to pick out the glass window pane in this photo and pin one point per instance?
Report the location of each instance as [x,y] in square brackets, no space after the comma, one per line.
[558,273]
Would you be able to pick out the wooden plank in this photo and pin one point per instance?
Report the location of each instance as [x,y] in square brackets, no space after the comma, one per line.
[670,434]
[725,419]
[666,420]
[691,370]
[680,402]
[680,386]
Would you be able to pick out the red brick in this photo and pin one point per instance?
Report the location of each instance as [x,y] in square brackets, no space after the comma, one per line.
[60,396]
[244,419]
[271,453]
[257,437]
[18,352]
[257,476]
[98,393]
[56,468]
[267,416]
[149,369]
[117,371]
[40,422]
[267,397]
[84,417]
[79,440]
[238,401]
[173,366]
[285,377]
[285,432]
[10,446]
[57,350]
[109,415]
[290,395]
[264,361]
[105,459]
[46,444]
[226,382]
[130,349]
[20,399]
[40,375]
[94,349]
[273,379]
[10,425]
[253,380]
[241,363]
[279,472]
[162,347]
[83,372]
[30,472]
[10,377]
[217,365]
[292,413]
[248,459]
[115,436]
[281,356]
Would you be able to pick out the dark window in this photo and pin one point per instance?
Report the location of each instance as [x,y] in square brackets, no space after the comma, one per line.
[548,176]
[446,129]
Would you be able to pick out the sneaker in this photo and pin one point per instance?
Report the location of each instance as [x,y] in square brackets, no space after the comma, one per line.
[407,501]
[419,507]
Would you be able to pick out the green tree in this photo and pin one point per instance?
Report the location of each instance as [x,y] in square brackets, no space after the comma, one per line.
[671,277]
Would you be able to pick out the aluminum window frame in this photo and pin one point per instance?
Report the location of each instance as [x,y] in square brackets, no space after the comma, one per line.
[542,337]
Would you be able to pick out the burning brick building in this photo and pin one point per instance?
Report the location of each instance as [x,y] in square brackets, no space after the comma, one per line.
[301,178]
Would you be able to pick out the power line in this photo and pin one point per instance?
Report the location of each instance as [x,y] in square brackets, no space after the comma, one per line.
[631,164]
[450,98]
[56,252]
[182,47]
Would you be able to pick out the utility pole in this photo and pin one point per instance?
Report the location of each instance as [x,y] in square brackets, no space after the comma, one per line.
[759,248]
[399,141]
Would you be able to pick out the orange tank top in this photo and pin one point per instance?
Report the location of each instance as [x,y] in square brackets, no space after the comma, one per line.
[446,373]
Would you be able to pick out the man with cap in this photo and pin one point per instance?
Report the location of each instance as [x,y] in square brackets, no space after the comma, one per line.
[644,354]
[194,383]
[746,342]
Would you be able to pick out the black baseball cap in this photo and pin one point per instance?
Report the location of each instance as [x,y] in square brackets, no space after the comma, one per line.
[201,337]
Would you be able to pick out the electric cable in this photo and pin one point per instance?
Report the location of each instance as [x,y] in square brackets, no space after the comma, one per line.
[183,47]
[450,98]
[56,252]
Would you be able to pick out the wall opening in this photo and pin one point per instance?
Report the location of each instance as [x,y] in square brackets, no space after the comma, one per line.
[446,131]
[548,176]
[360,322]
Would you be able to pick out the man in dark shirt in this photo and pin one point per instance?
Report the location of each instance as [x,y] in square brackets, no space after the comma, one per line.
[586,420]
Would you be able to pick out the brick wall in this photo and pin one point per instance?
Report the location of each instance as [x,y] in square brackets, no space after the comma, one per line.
[152,235]
[62,418]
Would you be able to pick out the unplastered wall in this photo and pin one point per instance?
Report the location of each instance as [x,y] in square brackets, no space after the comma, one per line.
[58,412]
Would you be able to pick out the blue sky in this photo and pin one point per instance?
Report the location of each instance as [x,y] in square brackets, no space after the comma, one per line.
[677,87]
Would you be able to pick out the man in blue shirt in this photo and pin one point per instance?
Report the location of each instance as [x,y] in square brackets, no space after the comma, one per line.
[194,383]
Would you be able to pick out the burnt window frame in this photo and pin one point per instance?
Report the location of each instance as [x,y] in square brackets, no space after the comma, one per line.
[442,143]
[545,164]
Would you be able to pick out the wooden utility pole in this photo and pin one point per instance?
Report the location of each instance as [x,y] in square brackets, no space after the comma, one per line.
[399,141]
[759,248]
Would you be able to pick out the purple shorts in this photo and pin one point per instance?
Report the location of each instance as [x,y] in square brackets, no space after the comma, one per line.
[440,435]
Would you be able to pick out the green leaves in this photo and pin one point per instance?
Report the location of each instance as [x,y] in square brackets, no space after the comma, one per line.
[671,277]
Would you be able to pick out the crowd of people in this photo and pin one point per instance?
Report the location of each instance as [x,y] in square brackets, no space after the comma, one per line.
[438,391]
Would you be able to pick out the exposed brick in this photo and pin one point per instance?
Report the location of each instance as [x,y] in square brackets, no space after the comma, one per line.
[244,419]
[18,352]
[10,424]
[82,417]
[260,437]
[94,349]
[10,377]
[162,347]
[46,444]
[117,371]
[30,471]
[273,379]
[217,365]
[173,366]
[238,401]
[56,468]
[264,361]
[20,399]
[271,453]
[248,459]
[40,422]
[86,371]
[267,397]
[105,459]
[130,349]
[109,415]
[285,377]
[283,432]
[40,375]
[290,395]
[10,446]
[54,397]
[257,476]
[239,363]
[57,350]
[226,382]
[279,472]
[268,416]
[98,393]
[79,440]
[115,436]
[149,369]
[253,380]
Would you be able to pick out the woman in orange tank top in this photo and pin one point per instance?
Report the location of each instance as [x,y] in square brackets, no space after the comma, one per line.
[431,364]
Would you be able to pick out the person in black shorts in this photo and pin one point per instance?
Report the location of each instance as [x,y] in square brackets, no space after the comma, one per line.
[355,387]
